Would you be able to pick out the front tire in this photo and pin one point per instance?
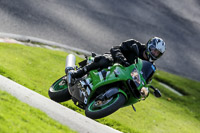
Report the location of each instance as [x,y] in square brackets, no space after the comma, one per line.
[96,111]
[59,91]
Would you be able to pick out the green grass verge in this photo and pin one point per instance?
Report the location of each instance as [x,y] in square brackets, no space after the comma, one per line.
[18,117]
[38,68]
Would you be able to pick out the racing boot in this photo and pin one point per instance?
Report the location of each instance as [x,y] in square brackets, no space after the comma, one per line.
[72,75]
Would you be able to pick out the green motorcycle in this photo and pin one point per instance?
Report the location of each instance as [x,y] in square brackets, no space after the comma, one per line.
[102,92]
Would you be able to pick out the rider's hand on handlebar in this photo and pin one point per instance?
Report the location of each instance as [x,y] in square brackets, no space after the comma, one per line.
[124,62]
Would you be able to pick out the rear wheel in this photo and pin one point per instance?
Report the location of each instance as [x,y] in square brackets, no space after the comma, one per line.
[59,90]
[101,108]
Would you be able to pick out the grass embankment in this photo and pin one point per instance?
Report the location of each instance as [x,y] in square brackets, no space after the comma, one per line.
[18,117]
[38,68]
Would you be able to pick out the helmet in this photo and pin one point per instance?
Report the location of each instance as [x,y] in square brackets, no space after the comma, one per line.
[155,48]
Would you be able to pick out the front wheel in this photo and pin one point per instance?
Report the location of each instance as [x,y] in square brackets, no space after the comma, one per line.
[98,108]
[59,90]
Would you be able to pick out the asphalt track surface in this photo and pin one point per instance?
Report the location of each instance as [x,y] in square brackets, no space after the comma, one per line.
[97,25]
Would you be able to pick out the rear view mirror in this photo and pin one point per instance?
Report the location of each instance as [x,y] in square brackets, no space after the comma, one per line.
[156,92]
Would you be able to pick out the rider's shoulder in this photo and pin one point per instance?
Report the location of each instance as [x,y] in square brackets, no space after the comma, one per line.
[133,41]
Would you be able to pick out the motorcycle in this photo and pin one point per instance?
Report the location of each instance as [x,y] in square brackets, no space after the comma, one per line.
[102,92]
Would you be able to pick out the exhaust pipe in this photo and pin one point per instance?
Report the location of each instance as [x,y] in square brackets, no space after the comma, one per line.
[70,63]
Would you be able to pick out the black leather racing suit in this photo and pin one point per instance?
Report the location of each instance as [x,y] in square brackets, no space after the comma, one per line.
[124,54]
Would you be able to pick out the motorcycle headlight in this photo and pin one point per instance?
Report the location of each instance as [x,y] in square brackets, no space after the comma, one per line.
[136,76]
[144,92]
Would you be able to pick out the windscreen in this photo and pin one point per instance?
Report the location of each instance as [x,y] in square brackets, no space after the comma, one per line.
[148,70]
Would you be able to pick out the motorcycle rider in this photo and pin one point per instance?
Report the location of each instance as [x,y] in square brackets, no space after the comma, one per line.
[125,54]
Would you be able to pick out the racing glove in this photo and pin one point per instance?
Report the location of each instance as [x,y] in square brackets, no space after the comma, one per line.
[123,61]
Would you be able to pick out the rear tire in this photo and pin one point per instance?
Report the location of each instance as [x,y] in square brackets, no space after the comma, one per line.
[59,91]
[110,106]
